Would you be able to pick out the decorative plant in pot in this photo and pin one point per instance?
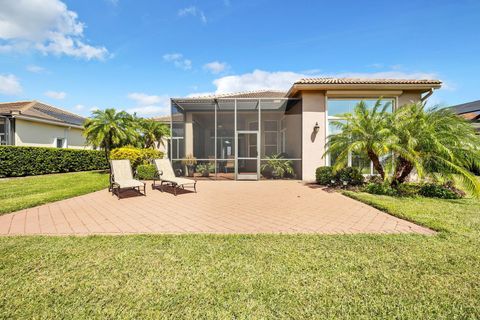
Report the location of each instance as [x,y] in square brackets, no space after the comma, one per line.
[276,167]
[190,161]
[205,169]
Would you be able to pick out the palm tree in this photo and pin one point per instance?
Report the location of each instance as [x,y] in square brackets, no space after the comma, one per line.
[364,131]
[436,143]
[152,132]
[110,129]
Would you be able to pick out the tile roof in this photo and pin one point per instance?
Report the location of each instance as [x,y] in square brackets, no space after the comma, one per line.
[163,119]
[35,109]
[244,94]
[366,81]
[466,107]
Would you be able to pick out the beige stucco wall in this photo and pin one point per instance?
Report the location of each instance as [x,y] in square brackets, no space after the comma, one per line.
[37,134]
[313,145]
[408,97]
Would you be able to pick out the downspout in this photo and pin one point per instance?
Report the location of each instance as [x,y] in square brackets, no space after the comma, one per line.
[425,97]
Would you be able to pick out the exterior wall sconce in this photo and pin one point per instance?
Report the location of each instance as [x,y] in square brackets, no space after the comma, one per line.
[316,128]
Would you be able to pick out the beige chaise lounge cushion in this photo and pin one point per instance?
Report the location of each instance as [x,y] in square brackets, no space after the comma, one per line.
[122,174]
[166,173]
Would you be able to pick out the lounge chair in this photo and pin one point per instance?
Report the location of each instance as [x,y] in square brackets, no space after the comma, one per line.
[121,177]
[166,176]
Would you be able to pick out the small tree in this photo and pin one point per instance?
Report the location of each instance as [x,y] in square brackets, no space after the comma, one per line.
[364,131]
[437,143]
[153,132]
[110,129]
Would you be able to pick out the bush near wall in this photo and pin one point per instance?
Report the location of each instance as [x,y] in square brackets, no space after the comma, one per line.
[28,161]
[325,176]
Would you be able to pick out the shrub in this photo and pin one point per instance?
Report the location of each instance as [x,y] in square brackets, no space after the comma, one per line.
[380,188]
[324,175]
[205,168]
[432,190]
[18,161]
[135,155]
[130,153]
[408,189]
[146,171]
[149,154]
[350,175]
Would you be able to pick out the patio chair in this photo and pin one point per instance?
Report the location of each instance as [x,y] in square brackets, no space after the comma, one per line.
[166,176]
[121,178]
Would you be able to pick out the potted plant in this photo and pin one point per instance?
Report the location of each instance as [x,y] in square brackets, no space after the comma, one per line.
[189,162]
[277,167]
[205,168]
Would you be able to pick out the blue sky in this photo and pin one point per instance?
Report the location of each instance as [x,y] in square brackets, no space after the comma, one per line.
[134,55]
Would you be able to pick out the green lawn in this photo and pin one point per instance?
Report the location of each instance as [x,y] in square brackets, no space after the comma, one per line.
[258,276]
[21,193]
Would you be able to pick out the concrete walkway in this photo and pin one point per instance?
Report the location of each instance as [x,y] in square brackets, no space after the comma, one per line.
[223,207]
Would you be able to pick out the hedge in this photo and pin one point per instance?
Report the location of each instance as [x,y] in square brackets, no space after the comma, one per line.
[27,161]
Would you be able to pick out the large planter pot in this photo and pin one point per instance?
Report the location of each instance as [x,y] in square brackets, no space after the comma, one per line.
[190,170]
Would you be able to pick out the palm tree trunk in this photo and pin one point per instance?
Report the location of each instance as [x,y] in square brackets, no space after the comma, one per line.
[376,163]
[402,171]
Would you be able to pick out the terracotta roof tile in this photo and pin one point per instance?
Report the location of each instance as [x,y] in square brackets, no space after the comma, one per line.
[365,81]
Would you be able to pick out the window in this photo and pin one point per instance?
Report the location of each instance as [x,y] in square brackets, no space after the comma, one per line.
[270,143]
[60,142]
[335,109]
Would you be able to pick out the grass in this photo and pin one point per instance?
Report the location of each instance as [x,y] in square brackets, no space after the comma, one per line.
[21,193]
[254,276]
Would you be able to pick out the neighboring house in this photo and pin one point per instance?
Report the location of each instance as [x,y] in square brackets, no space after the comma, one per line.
[32,123]
[238,133]
[469,111]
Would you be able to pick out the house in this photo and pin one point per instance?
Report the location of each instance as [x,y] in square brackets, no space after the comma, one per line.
[469,111]
[236,135]
[33,123]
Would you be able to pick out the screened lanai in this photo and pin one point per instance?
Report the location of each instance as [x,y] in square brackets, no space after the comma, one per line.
[236,138]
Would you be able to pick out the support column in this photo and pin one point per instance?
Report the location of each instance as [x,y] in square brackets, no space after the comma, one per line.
[313,144]
[188,134]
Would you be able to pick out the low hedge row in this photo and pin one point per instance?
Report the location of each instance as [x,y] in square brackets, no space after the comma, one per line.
[18,161]
[350,176]
[429,190]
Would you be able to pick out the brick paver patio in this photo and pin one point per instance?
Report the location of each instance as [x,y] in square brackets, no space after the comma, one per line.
[218,207]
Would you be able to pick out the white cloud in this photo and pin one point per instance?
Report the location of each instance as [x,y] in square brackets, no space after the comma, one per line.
[178,60]
[283,80]
[257,80]
[216,67]
[148,105]
[47,26]
[194,12]
[9,84]
[59,95]
[79,107]
[35,69]
[144,99]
